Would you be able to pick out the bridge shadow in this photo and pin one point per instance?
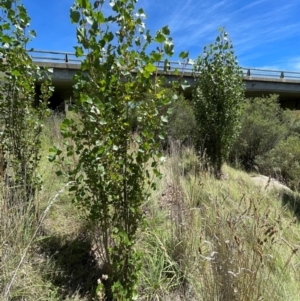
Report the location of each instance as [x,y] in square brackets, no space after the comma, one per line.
[55,102]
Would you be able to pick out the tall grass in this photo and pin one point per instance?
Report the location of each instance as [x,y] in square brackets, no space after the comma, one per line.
[23,265]
[218,240]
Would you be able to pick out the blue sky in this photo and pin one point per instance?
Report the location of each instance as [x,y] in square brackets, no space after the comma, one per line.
[265,33]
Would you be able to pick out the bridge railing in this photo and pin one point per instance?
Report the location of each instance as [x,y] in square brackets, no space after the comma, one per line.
[182,67]
[267,73]
[53,56]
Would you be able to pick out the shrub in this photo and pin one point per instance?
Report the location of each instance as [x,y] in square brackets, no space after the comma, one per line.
[182,124]
[181,119]
[283,162]
[263,127]
[292,120]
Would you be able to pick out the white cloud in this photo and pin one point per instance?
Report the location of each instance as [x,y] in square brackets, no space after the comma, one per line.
[294,64]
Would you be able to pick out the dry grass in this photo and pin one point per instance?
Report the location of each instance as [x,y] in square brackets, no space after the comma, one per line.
[222,240]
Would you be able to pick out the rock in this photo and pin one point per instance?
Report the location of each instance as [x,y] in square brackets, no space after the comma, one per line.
[269,183]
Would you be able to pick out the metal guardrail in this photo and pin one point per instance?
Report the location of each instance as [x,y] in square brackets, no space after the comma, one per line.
[53,56]
[186,68]
[274,74]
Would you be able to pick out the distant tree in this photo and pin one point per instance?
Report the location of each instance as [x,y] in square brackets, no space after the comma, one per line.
[217,98]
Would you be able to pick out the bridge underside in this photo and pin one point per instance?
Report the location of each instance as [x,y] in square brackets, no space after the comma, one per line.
[64,93]
[61,94]
[288,90]
[287,100]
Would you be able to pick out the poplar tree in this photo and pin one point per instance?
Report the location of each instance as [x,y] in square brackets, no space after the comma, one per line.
[218,97]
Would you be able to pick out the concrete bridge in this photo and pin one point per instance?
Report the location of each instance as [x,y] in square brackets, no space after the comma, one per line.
[258,82]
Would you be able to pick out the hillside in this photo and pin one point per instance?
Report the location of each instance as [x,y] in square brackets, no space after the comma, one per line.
[203,239]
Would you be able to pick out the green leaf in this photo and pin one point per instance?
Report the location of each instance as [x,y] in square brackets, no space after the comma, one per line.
[135,295]
[184,54]
[100,288]
[6,39]
[66,123]
[100,17]
[16,73]
[32,33]
[7,4]
[84,3]
[150,68]
[108,37]
[169,47]
[59,173]
[156,56]
[75,16]
[165,30]
[160,37]
[141,11]
[52,149]
[86,99]
[81,34]
[124,235]
[51,157]
[78,51]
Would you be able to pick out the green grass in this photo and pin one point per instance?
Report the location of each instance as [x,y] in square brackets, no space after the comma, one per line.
[204,239]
